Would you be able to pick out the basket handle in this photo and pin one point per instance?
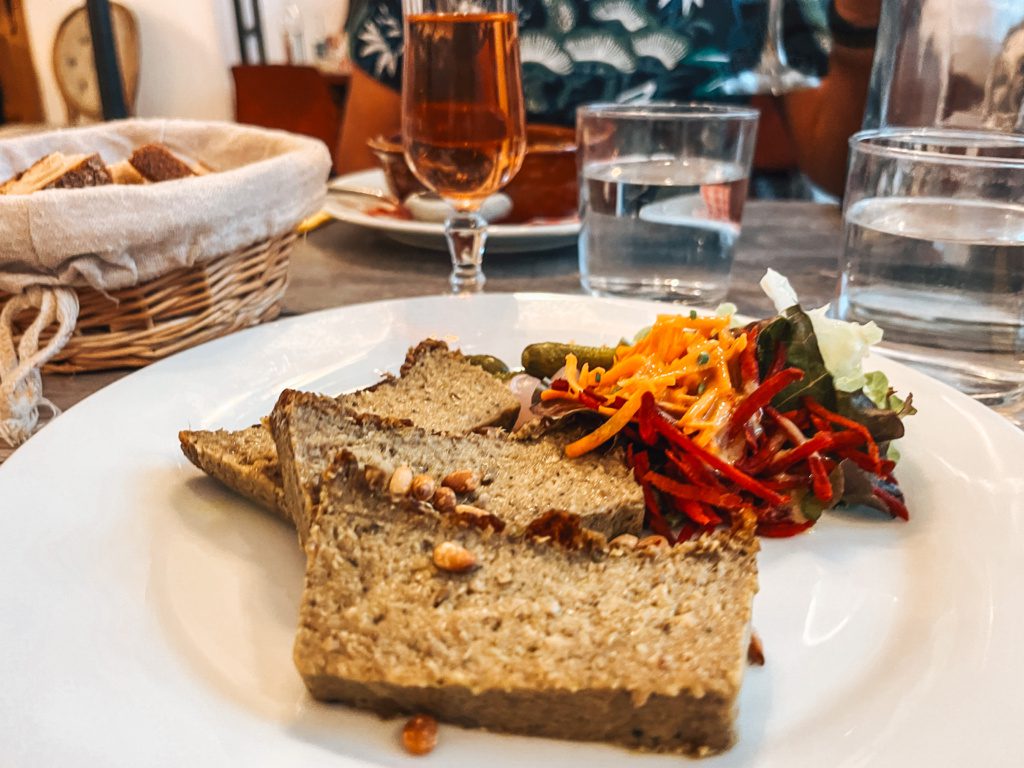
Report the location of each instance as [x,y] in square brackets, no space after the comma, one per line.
[21,384]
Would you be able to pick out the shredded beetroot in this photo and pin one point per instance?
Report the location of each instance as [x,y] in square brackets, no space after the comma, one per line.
[675,436]
[896,507]
[818,409]
[700,514]
[693,470]
[781,353]
[748,358]
[763,395]
[820,484]
[693,492]
[645,419]
[588,399]
[781,529]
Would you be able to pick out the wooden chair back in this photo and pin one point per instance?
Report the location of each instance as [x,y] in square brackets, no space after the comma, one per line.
[288,97]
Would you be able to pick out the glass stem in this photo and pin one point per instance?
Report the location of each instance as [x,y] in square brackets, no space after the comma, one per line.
[466,232]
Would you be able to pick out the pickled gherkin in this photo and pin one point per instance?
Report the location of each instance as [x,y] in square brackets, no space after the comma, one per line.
[543,360]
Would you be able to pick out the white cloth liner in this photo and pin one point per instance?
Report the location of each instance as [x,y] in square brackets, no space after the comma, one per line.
[111,237]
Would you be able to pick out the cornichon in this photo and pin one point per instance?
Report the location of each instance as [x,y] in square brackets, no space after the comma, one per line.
[543,360]
[489,363]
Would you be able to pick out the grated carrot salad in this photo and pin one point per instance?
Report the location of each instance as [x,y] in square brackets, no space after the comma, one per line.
[688,364]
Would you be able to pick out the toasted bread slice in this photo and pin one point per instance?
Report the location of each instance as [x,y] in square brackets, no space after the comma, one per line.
[125,173]
[437,388]
[551,632]
[59,171]
[519,479]
[157,162]
[245,461]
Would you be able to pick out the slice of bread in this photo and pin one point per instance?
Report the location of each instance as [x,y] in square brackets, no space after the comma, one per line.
[245,461]
[157,162]
[551,633]
[59,171]
[437,388]
[125,173]
[519,479]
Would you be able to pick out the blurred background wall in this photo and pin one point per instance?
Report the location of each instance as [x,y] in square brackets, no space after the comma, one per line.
[188,47]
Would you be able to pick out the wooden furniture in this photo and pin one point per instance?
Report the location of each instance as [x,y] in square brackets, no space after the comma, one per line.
[75,69]
[20,101]
[342,264]
[299,99]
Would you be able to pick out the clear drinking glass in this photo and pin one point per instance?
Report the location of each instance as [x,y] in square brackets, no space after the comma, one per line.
[662,188]
[954,64]
[934,253]
[463,121]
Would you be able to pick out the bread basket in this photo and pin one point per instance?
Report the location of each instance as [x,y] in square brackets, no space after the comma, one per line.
[119,276]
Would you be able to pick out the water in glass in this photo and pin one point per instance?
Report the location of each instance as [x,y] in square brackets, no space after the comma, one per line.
[661,228]
[945,278]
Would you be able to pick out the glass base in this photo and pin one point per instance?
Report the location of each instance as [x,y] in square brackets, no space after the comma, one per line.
[974,374]
[698,294]
[466,233]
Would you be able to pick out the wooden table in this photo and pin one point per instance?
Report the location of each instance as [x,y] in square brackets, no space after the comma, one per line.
[343,264]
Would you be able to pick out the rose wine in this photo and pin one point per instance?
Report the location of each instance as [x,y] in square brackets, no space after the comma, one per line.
[463,120]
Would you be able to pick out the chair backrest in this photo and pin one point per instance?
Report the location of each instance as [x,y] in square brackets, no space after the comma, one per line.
[289,98]
[74,67]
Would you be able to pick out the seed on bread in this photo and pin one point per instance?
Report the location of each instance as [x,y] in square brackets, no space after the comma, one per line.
[449,556]
[469,509]
[462,481]
[419,736]
[423,487]
[444,500]
[624,541]
[401,481]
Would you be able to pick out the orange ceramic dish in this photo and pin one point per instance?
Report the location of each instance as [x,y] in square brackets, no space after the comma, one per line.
[545,187]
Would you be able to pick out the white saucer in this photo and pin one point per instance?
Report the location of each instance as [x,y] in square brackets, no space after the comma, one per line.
[501,238]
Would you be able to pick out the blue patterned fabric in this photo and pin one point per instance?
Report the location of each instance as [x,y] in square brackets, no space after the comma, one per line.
[580,51]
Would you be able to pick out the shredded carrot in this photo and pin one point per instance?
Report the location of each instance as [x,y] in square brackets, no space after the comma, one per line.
[683,361]
[607,430]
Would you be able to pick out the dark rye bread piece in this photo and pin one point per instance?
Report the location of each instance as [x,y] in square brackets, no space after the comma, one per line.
[156,162]
[437,388]
[59,171]
[553,633]
[520,478]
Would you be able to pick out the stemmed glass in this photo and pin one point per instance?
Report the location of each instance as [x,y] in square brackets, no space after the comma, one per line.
[772,74]
[463,122]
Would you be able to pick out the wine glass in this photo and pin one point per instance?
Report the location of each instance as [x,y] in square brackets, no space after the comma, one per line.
[772,74]
[463,121]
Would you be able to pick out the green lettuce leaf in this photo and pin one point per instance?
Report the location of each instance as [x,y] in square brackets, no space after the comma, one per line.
[803,353]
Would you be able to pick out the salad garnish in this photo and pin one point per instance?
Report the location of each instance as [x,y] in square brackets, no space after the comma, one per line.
[776,419]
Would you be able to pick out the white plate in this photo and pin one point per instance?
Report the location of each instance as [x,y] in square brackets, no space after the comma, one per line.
[148,615]
[501,238]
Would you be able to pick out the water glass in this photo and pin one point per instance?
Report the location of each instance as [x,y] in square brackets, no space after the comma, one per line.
[662,188]
[934,253]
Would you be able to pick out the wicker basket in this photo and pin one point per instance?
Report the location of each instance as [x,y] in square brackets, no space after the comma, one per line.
[132,327]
